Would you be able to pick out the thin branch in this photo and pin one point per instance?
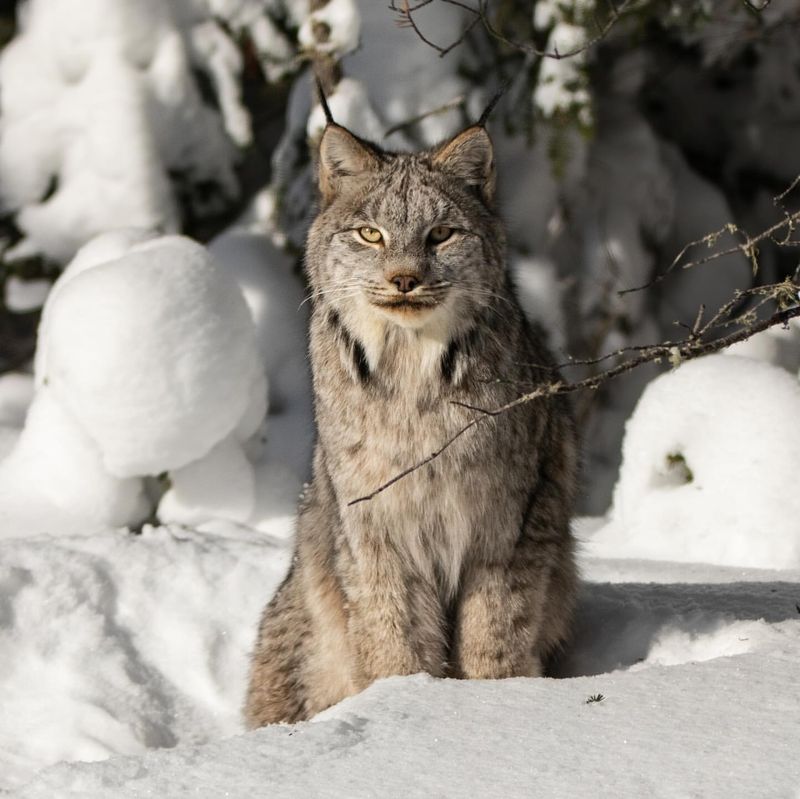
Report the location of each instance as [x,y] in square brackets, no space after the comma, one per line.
[456,102]
[687,350]
[480,14]
[405,13]
[747,247]
[617,11]
[784,194]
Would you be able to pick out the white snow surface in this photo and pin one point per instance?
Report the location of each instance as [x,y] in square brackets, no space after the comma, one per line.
[275,294]
[135,647]
[709,468]
[147,363]
[341,23]
[53,480]
[154,354]
[98,105]
[116,643]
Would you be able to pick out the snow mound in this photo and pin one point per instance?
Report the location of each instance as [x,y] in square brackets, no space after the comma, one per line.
[710,460]
[99,107]
[147,363]
[154,354]
[117,643]
[53,480]
[276,297]
[628,735]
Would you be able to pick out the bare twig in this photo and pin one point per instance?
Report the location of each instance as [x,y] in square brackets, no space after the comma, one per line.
[694,346]
[616,12]
[456,102]
[748,247]
[480,14]
[405,12]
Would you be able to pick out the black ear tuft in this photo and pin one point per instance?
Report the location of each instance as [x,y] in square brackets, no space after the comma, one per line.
[492,103]
[323,101]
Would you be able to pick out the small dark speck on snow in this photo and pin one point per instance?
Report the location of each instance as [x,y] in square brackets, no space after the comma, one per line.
[594,698]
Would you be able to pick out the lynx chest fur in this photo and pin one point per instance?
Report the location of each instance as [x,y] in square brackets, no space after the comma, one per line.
[464,567]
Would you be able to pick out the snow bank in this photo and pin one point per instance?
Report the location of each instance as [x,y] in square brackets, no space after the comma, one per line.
[117,643]
[779,345]
[145,646]
[275,294]
[419,737]
[147,363]
[99,106]
[154,354]
[54,481]
[710,459]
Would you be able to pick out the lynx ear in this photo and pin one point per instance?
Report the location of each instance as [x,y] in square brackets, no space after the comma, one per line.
[343,155]
[469,156]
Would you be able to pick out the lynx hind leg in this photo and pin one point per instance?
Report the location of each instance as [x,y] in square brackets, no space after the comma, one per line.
[276,692]
[559,607]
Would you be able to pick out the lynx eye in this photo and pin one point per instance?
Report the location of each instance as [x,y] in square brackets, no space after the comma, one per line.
[370,234]
[439,234]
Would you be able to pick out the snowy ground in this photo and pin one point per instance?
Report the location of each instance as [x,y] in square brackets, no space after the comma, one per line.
[136,646]
[123,657]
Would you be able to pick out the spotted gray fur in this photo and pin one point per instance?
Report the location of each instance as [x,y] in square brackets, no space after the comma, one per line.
[465,567]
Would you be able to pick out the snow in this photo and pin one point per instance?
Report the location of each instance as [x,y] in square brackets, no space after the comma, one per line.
[709,461]
[116,643]
[273,289]
[540,294]
[25,295]
[403,78]
[219,485]
[171,375]
[147,363]
[212,46]
[53,479]
[172,380]
[349,106]
[562,84]
[143,655]
[16,393]
[98,106]
[779,345]
[339,24]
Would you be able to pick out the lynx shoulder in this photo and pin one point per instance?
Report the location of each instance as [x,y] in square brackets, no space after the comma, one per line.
[465,567]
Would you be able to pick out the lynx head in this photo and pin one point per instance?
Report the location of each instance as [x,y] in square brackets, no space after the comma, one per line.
[410,237]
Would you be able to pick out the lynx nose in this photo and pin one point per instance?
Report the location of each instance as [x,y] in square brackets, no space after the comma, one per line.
[404,282]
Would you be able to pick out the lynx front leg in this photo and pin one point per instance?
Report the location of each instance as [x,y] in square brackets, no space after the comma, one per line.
[395,617]
[498,620]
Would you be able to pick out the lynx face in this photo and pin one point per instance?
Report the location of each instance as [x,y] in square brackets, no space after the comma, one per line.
[406,238]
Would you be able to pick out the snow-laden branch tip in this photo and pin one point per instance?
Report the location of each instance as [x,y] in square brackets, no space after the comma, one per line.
[480,14]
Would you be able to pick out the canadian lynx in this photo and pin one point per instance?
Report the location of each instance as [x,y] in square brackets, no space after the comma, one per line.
[465,567]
